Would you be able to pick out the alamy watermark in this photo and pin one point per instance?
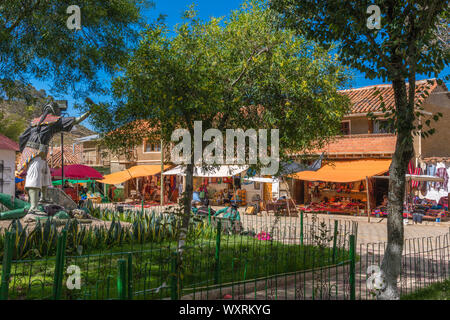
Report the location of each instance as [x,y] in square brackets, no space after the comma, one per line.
[374,20]
[214,152]
[74,278]
[376,280]
[74,20]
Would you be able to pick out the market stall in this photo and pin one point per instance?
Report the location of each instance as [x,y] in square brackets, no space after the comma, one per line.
[217,184]
[79,179]
[342,186]
[426,209]
[143,183]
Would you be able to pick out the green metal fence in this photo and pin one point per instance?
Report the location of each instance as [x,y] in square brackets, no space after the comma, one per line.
[272,257]
[424,261]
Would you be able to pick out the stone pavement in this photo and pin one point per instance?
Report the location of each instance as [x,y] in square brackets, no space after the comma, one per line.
[423,263]
[374,231]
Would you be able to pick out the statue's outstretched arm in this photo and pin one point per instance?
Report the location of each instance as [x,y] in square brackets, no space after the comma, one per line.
[82,117]
[85,115]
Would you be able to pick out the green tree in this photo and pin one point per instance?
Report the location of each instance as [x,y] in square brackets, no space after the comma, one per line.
[405,45]
[243,71]
[35,42]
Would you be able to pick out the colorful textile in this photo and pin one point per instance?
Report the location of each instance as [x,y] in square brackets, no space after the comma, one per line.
[442,173]
[415,183]
[28,154]
[411,167]
[48,119]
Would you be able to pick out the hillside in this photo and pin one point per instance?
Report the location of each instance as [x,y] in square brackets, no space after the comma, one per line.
[78,131]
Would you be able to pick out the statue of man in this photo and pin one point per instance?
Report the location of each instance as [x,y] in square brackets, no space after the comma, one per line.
[34,147]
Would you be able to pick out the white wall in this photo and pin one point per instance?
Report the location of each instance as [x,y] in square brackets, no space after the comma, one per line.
[9,160]
[250,191]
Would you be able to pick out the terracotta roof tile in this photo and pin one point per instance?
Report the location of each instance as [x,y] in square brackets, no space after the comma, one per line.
[363,99]
[8,144]
[70,157]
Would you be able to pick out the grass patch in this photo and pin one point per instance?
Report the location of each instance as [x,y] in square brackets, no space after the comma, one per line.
[240,258]
[436,291]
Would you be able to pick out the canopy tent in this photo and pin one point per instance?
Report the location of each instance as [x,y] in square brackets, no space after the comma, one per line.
[287,168]
[59,182]
[222,171]
[131,173]
[346,171]
[261,180]
[77,171]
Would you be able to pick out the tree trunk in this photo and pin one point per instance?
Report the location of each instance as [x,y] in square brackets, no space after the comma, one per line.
[391,265]
[187,197]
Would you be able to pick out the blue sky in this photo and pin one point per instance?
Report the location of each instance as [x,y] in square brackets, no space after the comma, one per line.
[173,10]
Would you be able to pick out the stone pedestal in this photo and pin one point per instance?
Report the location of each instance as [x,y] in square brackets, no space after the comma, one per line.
[60,198]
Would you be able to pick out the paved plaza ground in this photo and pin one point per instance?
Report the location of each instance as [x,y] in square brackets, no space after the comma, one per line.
[376,230]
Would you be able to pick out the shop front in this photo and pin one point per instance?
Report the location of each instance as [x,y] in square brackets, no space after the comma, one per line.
[345,187]
[142,182]
[217,185]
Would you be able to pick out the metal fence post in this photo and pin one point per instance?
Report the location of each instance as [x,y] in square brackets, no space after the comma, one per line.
[59,265]
[301,227]
[352,267]
[217,257]
[209,215]
[130,276]
[334,240]
[174,277]
[121,279]
[6,267]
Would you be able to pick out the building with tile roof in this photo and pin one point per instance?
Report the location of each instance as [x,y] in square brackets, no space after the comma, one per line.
[363,137]
[8,150]
[73,154]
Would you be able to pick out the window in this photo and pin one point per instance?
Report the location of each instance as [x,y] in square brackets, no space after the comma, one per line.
[345,127]
[151,147]
[383,126]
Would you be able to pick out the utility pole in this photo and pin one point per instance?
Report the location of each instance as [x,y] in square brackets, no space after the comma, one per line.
[62,160]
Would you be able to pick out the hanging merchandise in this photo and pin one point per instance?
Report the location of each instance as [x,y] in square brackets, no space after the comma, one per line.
[442,173]
[415,183]
[237,182]
[180,185]
[431,170]
[361,187]
[411,167]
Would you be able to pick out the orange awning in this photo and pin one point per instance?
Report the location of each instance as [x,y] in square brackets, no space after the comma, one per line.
[346,171]
[131,173]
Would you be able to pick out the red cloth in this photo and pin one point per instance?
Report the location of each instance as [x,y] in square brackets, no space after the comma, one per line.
[415,183]
[78,171]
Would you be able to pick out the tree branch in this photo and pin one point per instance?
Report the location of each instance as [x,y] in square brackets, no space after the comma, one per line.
[265,49]
[23,14]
